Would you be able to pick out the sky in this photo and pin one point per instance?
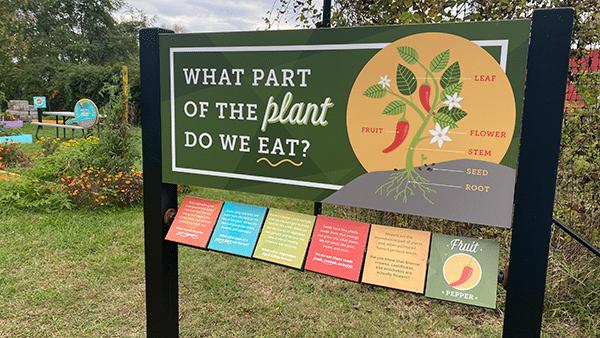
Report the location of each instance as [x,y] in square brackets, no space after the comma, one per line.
[199,16]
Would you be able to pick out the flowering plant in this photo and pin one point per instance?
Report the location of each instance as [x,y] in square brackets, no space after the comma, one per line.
[96,187]
[438,94]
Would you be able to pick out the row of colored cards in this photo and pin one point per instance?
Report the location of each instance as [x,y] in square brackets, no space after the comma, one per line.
[443,267]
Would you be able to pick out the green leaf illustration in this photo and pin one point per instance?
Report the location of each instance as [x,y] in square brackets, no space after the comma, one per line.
[375,91]
[408,54]
[395,108]
[450,90]
[439,62]
[444,120]
[457,114]
[405,80]
[451,75]
[449,117]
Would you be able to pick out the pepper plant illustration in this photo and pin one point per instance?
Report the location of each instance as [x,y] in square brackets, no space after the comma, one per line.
[445,82]
[465,274]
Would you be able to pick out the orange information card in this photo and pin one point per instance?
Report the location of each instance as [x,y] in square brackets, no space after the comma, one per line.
[397,258]
[195,221]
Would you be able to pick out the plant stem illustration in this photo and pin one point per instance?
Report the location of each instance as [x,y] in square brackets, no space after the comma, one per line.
[444,111]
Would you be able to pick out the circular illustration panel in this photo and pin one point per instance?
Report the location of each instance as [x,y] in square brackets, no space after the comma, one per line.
[430,98]
[462,271]
[86,113]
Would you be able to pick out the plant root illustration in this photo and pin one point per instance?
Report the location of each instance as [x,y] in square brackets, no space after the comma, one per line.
[445,112]
[410,182]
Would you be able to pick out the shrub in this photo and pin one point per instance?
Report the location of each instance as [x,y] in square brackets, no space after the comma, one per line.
[26,193]
[97,187]
[61,157]
[117,140]
[11,156]
[49,145]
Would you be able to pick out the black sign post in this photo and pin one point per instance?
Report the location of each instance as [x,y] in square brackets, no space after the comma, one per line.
[162,307]
[534,191]
[547,69]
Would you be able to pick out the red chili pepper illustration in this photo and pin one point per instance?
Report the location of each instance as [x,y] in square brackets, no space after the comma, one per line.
[465,275]
[401,132]
[424,93]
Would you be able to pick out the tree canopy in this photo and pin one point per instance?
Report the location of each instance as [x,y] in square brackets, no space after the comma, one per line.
[586,28]
[64,49]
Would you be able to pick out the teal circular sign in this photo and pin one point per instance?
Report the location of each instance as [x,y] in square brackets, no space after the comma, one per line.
[86,113]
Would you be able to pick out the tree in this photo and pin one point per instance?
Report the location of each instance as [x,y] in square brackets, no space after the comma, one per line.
[51,43]
[391,12]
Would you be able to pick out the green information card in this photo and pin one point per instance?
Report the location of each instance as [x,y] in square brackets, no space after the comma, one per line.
[463,270]
[284,238]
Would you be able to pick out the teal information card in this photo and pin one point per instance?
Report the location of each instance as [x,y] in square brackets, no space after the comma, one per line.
[237,229]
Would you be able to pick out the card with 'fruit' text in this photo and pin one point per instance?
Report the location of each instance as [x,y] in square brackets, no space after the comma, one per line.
[463,270]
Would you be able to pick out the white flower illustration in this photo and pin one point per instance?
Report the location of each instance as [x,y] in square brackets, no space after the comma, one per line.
[384,81]
[453,101]
[439,135]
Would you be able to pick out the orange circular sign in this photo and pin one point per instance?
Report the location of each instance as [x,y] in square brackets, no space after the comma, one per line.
[430,98]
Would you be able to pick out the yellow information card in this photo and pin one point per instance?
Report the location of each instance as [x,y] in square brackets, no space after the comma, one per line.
[397,258]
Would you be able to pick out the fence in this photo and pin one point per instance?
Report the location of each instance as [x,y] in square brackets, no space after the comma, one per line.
[582,85]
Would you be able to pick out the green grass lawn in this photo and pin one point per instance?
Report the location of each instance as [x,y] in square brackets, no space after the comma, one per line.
[80,273]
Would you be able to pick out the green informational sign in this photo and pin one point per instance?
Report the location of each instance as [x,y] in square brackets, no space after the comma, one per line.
[419,119]
[463,270]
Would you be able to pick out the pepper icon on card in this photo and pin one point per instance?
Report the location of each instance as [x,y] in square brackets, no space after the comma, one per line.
[462,271]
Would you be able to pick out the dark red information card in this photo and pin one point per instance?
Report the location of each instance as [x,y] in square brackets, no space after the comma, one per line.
[337,248]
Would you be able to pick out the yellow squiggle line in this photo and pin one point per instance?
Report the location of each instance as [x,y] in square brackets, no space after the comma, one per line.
[278,163]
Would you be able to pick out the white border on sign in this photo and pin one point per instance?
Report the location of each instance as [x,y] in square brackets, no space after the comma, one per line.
[503,44]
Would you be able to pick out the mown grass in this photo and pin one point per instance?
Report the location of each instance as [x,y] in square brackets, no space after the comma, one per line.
[71,274]
[80,273]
